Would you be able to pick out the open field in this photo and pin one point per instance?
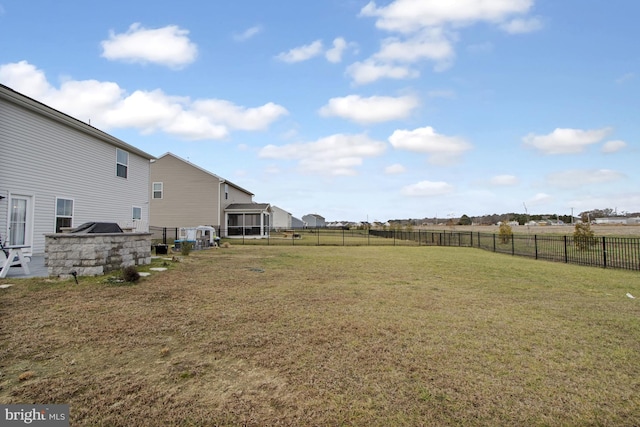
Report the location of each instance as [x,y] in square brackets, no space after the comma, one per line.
[324,335]
[561,230]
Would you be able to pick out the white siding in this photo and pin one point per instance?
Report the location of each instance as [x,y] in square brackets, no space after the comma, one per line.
[45,158]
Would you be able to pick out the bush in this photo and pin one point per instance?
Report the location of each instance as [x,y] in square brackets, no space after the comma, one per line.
[583,236]
[130,274]
[505,233]
[185,248]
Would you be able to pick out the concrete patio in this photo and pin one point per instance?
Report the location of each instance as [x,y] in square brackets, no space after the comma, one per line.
[36,269]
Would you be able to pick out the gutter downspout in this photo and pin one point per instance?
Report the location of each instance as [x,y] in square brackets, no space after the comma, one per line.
[221,182]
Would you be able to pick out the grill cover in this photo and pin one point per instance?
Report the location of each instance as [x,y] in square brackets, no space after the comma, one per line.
[97,227]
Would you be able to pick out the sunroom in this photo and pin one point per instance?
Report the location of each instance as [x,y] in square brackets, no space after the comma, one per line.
[252,220]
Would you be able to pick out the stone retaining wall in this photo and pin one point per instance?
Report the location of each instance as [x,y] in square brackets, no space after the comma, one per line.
[95,254]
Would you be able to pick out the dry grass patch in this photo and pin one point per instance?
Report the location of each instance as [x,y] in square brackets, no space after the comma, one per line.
[256,335]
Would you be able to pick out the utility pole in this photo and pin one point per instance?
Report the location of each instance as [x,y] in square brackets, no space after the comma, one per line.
[571,216]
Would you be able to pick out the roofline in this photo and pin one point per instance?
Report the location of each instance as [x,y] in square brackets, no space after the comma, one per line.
[222,180]
[44,110]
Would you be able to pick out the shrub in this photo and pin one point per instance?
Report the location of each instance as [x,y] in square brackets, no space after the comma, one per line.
[130,274]
[185,248]
[583,236]
[505,233]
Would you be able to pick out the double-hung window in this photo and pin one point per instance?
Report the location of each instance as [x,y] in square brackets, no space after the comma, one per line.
[64,213]
[136,213]
[157,190]
[122,163]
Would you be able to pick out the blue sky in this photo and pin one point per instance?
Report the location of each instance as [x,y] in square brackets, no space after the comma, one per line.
[352,109]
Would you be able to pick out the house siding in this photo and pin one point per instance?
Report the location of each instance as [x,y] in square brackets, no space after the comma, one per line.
[280,218]
[190,195]
[44,158]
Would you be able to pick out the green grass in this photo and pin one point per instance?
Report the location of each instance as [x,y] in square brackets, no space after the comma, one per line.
[300,335]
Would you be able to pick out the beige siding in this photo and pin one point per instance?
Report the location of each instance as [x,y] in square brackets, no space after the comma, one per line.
[190,195]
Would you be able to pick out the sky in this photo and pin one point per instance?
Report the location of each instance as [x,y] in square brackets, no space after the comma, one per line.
[356,110]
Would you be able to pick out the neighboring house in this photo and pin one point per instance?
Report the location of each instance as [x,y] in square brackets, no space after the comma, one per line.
[314,221]
[281,219]
[58,172]
[186,195]
[297,222]
[612,220]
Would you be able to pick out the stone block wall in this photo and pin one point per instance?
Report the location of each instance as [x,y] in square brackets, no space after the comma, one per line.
[95,254]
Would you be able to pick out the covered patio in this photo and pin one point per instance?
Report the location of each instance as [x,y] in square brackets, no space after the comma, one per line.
[251,220]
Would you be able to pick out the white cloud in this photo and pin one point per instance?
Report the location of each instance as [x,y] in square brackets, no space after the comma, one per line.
[427,189]
[540,199]
[613,146]
[238,117]
[522,25]
[428,30]
[440,148]
[430,44]
[374,109]
[565,141]
[302,53]
[167,46]
[370,70]
[337,154]
[248,33]
[411,15]
[504,180]
[109,106]
[578,178]
[394,169]
[334,54]
[625,78]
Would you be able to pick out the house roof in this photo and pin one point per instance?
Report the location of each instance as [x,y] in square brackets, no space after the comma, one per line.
[222,180]
[244,207]
[44,110]
[280,209]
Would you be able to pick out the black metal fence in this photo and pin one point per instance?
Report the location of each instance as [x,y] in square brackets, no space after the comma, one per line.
[606,252]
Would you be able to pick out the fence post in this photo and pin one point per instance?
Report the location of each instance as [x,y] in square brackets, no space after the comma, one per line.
[513,245]
[164,235]
[535,244]
[604,251]
[343,237]
[494,242]
[566,257]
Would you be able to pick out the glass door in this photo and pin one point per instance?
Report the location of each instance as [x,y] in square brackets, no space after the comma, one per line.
[20,221]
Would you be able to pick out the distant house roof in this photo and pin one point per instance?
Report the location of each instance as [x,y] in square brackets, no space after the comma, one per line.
[244,207]
[222,180]
[44,110]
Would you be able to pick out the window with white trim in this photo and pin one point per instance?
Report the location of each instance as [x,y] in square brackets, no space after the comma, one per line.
[226,191]
[122,163]
[64,213]
[136,213]
[157,190]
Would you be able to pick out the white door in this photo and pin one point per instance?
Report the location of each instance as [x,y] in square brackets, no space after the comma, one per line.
[20,221]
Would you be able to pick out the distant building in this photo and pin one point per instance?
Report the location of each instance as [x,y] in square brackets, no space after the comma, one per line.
[314,221]
[281,219]
[612,220]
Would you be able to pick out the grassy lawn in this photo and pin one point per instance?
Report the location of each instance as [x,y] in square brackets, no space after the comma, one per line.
[353,336]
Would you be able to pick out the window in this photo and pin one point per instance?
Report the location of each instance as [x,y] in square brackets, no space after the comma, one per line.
[226,191]
[122,163]
[64,213]
[136,213]
[157,190]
